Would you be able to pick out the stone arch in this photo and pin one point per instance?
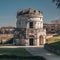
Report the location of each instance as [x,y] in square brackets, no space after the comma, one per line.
[41,42]
[31,36]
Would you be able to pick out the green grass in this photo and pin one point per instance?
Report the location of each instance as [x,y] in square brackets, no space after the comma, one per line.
[53,40]
[19,52]
[56,45]
[28,58]
[14,51]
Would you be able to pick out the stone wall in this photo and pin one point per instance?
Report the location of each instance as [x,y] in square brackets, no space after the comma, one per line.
[5,37]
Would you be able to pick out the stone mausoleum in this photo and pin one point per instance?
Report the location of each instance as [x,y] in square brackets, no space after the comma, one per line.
[29,28]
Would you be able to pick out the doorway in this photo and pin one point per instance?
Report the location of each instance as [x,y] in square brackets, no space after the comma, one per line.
[41,40]
[31,41]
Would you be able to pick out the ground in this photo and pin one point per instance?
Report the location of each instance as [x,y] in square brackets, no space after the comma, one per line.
[36,51]
[53,39]
[54,42]
[14,51]
[19,51]
[40,51]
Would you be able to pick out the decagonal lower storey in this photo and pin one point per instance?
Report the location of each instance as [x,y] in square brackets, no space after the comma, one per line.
[29,30]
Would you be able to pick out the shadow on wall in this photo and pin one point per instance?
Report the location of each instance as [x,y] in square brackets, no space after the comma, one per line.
[10,41]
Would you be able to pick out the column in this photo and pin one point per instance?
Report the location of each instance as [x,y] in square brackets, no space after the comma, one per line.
[37,42]
[44,40]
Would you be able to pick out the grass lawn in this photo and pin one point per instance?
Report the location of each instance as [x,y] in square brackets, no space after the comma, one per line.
[53,39]
[14,51]
[17,54]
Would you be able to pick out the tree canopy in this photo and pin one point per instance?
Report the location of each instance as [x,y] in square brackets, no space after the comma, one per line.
[57,2]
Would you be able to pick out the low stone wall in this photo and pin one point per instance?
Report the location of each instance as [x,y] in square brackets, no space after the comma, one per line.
[52,49]
[5,37]
[49,36]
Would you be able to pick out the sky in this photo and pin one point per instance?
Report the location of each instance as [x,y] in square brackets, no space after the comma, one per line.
[9,8]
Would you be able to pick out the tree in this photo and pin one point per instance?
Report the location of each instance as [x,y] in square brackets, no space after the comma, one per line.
[57,2]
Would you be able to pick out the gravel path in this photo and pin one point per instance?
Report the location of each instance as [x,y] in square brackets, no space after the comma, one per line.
[40,51]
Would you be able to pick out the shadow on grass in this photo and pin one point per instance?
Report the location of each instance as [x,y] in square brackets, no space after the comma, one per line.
[14,51]
[14,57]
[53,47]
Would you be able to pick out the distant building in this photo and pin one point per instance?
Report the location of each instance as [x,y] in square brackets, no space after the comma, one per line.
[52,27]
[29,28]
[6,33]
[7,30]
[56,21]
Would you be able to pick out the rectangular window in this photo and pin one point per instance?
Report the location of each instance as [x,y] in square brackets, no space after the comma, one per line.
[31,25]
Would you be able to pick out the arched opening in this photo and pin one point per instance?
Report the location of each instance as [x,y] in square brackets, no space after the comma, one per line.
[41,42]
[31,41]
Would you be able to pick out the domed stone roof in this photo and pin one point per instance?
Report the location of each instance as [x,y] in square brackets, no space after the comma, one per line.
[29,11]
